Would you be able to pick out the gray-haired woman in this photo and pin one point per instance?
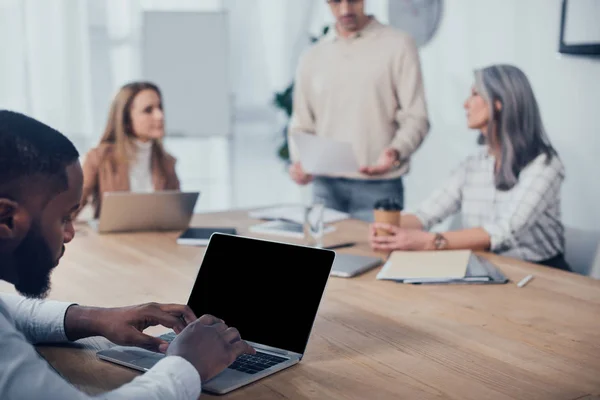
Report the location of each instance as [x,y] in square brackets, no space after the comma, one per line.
[508,193]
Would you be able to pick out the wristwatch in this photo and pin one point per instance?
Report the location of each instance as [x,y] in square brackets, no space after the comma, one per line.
[440,242]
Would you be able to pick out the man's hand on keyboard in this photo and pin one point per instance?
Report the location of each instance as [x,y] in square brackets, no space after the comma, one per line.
[209,345]
[125,325]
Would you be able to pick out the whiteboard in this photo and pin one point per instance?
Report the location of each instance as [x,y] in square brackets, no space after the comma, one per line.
[186,53]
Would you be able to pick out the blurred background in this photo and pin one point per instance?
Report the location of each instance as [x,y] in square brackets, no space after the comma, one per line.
[226,68]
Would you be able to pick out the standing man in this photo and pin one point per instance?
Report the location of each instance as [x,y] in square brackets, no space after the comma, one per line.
[361,83]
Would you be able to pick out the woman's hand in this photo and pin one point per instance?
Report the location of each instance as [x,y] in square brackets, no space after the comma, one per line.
[400,239]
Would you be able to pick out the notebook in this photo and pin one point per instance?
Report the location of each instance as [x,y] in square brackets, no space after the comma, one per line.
[201,236]
[419,266]
[478,269]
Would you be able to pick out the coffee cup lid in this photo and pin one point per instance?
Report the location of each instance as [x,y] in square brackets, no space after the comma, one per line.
[389,204]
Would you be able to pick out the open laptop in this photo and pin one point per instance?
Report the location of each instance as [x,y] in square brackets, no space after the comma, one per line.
[153,211]
[350,265]
[249,294]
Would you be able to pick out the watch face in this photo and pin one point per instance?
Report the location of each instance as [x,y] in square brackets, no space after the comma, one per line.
[419,18]
[440,242]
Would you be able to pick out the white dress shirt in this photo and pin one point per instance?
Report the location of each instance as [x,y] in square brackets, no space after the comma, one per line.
[25,375]
[140,169]
[523,222]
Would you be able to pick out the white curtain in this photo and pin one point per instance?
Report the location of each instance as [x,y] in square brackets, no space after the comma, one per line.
[266,38]
[44,62]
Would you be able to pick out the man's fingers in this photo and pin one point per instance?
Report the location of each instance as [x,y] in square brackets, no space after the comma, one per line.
[296,170]
[220,327]
[147,342]
[165,319]
[231,335]
[162,348]
[241,347]
[180,310]
[208,319]
[379,169]
[375,170]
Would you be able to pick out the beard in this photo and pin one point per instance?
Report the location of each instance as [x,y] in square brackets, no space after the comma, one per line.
[34,263]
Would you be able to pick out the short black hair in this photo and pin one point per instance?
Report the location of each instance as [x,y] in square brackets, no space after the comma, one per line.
[30,148]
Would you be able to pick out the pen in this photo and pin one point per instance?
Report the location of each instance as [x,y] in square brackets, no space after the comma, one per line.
[525,280]
[341,245]
[450,280]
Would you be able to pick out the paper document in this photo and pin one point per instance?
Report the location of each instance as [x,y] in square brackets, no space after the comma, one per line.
[295,214]
[415,266]
[283,228]
[322,156]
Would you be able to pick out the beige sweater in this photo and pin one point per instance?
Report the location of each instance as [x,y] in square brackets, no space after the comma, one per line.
[367,90]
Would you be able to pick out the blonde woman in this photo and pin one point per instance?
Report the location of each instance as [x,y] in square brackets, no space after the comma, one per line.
[130,155]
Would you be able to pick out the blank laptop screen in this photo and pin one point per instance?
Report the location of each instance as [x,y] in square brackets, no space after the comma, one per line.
[269,291]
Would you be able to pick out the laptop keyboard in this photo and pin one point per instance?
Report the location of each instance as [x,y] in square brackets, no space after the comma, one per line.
[250,364]
[168,337]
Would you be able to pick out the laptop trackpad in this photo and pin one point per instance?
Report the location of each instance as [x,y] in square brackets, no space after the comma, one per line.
[226,380]
[132,357]
[149,360]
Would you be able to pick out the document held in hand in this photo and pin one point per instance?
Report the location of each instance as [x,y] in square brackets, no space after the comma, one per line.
[325,156]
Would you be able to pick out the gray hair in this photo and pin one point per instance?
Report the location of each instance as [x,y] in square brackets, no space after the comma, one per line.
[517,127]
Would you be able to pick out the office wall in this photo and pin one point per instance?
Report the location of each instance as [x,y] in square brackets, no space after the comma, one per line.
[115,45]
[187,55]
[266,38]
[476,33]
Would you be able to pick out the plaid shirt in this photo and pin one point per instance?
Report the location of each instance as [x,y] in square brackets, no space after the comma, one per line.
[523,222]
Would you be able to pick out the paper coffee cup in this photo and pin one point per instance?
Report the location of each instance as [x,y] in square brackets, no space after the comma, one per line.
[387,211]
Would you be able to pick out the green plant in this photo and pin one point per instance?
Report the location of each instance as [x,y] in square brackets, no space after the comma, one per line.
[284,101]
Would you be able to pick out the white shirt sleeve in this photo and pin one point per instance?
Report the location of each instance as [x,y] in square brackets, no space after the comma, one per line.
[41,321]
[25,375]
[445,201]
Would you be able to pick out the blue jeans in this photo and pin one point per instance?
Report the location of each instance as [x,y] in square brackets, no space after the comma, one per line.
[354,196]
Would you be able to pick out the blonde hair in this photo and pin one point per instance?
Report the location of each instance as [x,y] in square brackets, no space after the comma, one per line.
[119,129]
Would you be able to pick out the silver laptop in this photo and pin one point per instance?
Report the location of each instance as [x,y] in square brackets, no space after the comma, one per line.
[154,211]
[249,294]
[350,265]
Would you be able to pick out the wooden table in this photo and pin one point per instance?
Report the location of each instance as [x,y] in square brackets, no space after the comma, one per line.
[372,339]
